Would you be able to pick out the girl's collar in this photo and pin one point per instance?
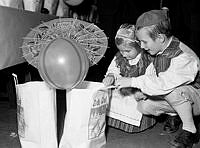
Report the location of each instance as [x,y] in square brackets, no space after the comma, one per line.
[135,60]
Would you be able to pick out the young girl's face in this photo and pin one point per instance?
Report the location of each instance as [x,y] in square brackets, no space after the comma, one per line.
[127,48]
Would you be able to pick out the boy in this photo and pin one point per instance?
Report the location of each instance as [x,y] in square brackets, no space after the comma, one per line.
[173,76]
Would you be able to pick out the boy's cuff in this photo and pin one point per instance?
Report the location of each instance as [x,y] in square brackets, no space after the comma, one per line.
[134,82]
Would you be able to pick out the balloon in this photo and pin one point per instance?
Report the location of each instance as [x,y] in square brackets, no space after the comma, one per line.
[63,64]
[73,2]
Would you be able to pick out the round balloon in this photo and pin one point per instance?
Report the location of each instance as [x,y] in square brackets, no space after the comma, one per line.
[63,64]
[73,2]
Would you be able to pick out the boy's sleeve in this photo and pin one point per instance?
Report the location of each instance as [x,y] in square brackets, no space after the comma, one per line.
[182,70]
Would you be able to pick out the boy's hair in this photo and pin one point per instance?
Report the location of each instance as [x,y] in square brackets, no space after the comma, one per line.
[156,21]
[160,28]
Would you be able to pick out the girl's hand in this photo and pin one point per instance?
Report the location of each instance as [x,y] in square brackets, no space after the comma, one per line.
[109,80]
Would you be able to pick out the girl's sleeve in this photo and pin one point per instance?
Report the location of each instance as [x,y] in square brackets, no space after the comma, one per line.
[113,69]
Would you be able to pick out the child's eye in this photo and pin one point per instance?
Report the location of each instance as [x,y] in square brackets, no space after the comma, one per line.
[119,41]
[124,51]
[131,44]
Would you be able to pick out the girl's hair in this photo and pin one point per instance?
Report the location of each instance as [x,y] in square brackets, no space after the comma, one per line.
[126,33]
[134,44]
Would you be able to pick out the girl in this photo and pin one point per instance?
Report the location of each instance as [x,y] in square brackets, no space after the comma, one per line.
[130,61]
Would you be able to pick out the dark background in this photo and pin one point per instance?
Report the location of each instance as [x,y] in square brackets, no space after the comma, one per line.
[185,19]
[184,14]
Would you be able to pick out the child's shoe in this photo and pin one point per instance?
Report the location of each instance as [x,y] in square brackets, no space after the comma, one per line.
[172,124]
[184,139]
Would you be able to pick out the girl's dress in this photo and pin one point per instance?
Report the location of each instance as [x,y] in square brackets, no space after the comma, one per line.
[127,70]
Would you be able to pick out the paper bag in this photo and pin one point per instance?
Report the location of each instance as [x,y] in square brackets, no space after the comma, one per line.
[85,118]
[36,115]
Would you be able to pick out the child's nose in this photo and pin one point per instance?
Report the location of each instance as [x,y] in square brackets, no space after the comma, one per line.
[142,45]
[125,55]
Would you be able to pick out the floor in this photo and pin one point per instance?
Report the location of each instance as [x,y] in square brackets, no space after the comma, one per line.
[151,138]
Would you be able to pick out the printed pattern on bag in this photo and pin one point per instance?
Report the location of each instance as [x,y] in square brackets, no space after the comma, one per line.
[97,122]
[20,118]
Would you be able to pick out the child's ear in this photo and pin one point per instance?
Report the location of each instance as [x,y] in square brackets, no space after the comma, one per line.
[161,38]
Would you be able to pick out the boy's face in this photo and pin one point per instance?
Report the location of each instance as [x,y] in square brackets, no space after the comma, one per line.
[128,50]
[146,42]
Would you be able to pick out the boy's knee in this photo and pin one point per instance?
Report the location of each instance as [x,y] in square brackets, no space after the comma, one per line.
[179,96]
[147,108]
[144,108]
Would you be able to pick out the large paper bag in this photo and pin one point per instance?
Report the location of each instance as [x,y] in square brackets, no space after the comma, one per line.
[36,115]
[85,118]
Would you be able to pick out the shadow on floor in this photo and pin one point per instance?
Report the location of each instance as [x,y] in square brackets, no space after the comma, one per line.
[151,138]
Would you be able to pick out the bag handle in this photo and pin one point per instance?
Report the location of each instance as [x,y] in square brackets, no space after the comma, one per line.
[15,79]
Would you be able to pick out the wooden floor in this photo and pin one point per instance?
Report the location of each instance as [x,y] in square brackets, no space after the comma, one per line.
[151,138]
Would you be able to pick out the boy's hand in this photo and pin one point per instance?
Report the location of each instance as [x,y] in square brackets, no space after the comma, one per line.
[140,96]
[123,82]
[131,91]
[109,80]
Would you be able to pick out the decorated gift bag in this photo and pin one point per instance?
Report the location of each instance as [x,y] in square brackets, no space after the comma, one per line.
[85,123]
[36,115]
